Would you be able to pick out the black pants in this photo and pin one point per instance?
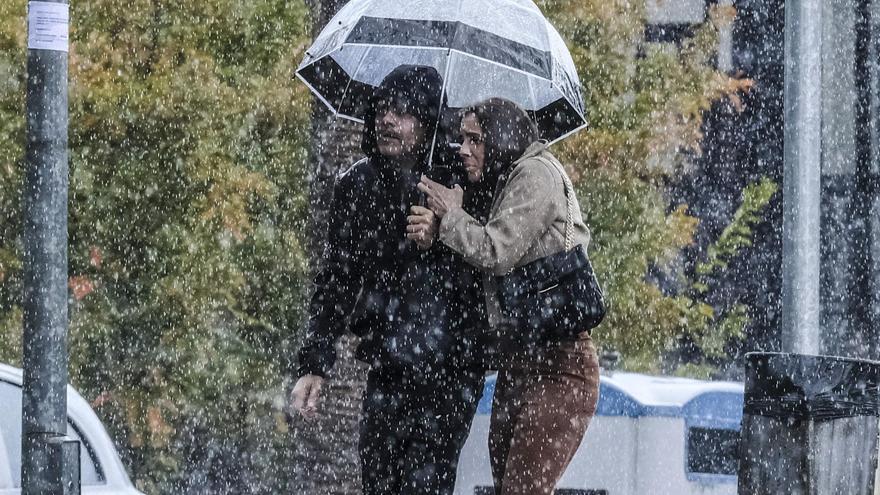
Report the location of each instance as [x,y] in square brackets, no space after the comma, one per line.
[412,430]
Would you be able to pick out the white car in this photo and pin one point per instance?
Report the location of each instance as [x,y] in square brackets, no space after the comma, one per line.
[102,471]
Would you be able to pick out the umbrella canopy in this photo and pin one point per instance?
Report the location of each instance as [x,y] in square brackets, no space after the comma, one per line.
[483,48]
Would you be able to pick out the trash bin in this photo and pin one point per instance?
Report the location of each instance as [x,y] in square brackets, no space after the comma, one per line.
[809,425]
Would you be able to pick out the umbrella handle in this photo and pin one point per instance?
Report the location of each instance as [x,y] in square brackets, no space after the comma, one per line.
[439,111]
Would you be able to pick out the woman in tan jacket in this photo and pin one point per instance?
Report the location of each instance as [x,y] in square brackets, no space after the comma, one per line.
[545,396]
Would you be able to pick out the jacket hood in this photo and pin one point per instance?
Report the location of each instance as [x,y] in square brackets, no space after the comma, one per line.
[499,175]
[534,149]
[416,90]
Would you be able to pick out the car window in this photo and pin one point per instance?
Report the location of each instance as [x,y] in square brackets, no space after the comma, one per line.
[89,468]
[10,441]
[712,451]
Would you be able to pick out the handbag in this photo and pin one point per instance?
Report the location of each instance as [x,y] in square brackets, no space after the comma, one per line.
[552,298]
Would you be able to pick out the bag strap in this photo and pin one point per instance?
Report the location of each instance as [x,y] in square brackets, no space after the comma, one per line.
[570,197]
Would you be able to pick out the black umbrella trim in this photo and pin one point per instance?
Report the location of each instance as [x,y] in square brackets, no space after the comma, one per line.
[349,99]
[339,91]
[557,119]
[453,35]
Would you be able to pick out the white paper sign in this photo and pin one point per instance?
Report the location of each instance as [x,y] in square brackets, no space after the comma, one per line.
[48,25]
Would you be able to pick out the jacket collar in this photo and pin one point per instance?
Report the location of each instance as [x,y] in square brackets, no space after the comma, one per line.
[534,149]
[390,172]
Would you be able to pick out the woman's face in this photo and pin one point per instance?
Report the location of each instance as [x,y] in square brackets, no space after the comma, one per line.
[473,147]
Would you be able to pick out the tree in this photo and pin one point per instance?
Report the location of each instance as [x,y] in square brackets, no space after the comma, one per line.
[188,146]
[194,168]
[645,104]
[326,458]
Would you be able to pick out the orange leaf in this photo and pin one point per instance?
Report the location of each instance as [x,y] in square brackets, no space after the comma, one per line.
[101,399]
[95,257]
[81,286]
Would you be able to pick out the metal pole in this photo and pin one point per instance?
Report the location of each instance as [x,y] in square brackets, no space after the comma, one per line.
[862,290]
[802,177]
[44,404]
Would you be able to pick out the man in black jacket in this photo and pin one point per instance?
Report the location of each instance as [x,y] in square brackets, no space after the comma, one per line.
[399,297]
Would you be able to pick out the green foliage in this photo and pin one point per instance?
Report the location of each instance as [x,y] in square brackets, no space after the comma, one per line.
[188,198]
[645,104]
[187,214]
[729,324]
[738,233]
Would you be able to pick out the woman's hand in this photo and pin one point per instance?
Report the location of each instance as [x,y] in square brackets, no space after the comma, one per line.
[306,394]
[441,199]
[422,227]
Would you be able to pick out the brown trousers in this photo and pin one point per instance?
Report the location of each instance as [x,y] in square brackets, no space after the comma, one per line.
[540,412]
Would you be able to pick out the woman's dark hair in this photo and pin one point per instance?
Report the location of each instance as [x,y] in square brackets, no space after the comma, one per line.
[507,131]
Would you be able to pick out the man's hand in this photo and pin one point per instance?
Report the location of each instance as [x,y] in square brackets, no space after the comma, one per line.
[306,395]
[441,199]
[422,227]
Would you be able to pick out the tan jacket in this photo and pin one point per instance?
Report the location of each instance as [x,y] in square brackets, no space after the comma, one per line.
[526,223]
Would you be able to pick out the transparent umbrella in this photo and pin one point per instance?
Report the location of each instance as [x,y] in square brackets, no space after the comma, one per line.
[483,48]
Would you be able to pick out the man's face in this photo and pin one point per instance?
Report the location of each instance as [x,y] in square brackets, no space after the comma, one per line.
[399,135]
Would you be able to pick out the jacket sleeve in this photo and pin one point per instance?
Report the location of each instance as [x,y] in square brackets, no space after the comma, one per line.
[525,212]
[336,286]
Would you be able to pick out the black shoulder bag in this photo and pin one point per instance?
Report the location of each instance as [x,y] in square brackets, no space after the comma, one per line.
[552,298]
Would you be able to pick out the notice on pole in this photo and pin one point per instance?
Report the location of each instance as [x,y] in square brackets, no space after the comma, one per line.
[48,26]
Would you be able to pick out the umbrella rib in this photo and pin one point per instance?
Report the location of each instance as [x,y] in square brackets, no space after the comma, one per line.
[443,86]
[440,111]
[458,23]
[351,78]
[532,94]
[582,116]
[389,45]
[569,133]
[548,40]
[567,99]
[317,93]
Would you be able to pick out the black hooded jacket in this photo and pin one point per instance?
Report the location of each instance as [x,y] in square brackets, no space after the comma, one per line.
[400,300]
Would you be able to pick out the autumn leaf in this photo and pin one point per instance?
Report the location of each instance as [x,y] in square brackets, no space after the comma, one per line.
[101,399]
[81,286]
[160,430]
[95,257]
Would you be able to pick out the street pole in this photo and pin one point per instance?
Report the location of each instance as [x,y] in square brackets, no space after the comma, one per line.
[863,296]
[44,198]
[799,408]
[802,177]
